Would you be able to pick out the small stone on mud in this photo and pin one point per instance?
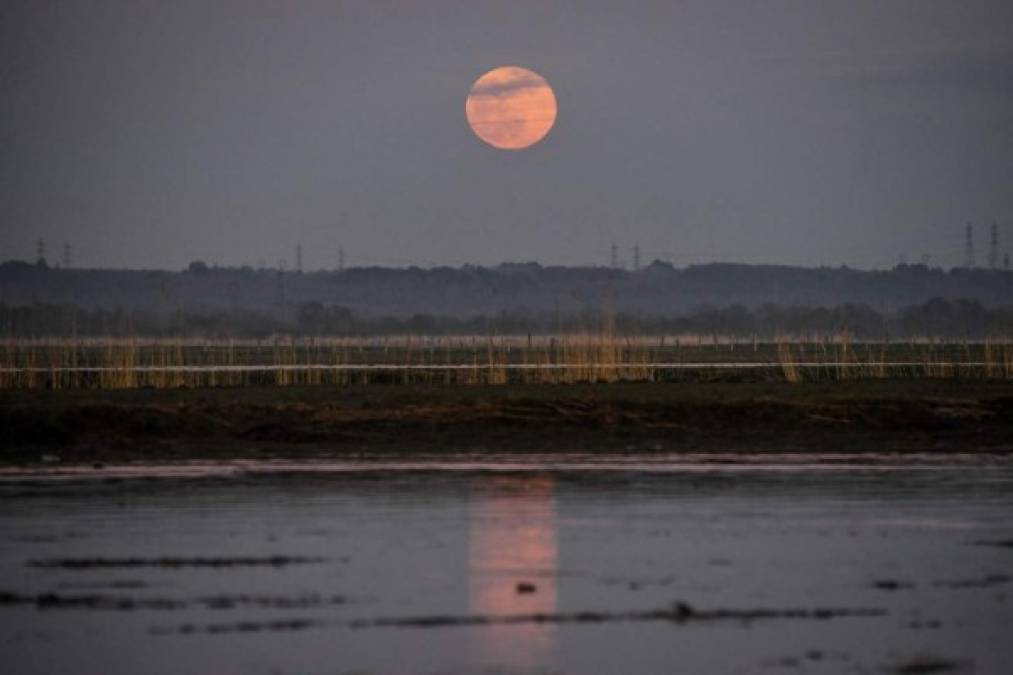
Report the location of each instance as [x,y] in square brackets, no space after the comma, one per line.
[684,610]
[924,666]
[1001,543]
[891,585]
[526,587]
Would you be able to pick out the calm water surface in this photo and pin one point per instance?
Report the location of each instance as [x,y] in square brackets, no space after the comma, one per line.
[478,567]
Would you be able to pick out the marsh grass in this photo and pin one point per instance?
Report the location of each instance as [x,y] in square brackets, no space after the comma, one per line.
[591,356]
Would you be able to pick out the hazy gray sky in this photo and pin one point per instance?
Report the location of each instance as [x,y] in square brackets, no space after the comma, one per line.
[149,134]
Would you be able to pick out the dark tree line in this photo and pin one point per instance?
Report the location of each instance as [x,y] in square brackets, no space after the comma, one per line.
[936,318]
[657,290]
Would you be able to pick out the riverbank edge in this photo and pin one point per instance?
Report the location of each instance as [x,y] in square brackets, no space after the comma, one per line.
[880,416]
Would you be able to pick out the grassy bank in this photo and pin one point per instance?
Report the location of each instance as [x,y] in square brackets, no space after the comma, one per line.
[886,415]
[603,357]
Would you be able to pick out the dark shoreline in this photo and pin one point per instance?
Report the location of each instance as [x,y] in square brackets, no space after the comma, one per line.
[883,416]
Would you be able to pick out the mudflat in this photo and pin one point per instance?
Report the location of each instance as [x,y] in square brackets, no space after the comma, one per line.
[903,415]
[526,564]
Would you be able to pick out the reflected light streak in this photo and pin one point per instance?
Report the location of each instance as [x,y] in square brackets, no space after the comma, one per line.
[512,539]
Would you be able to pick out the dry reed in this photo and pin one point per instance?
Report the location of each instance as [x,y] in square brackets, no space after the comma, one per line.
[592,356]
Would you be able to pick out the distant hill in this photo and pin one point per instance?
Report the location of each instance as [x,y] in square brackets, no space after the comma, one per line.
[657,290]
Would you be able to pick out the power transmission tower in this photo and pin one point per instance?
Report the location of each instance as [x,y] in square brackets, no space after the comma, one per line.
[615,256]
[40,252]
[298,258]
[969,247]
[279,284]
[66,256]
[636,257]
[993,248]
[341,259]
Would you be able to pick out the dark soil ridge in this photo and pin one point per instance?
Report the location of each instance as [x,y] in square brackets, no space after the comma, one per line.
[269,422]
[119,603]
[170,562]
[679,613]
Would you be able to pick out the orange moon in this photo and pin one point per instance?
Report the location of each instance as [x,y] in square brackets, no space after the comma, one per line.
[511,108]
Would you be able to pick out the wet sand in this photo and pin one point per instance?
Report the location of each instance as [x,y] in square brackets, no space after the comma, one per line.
[557,563]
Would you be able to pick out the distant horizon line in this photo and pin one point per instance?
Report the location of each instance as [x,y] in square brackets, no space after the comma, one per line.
[201,265]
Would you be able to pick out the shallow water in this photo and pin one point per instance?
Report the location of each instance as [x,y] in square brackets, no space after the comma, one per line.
[567,564]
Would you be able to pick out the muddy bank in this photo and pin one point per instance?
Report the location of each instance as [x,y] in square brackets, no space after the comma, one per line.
[881,416]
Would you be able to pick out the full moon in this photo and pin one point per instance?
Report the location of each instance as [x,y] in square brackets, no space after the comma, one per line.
[511,108]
